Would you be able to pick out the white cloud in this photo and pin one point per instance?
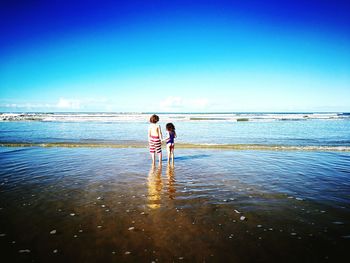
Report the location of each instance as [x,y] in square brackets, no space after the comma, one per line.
[178,103]
[25,105]
[171,103]
[200,103]
[61,104]
[68,104]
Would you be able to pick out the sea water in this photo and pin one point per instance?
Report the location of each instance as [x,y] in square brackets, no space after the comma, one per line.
[216,205]
[275,129]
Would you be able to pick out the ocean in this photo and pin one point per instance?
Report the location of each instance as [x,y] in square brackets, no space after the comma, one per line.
[330,130]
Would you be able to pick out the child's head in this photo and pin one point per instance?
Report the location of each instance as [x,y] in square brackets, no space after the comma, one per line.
[154,119]
[170,127]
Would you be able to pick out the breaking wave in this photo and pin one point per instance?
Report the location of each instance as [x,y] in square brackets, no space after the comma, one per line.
[192,117]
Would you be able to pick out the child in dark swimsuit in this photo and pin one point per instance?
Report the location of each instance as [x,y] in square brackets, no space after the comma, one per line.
[170,143]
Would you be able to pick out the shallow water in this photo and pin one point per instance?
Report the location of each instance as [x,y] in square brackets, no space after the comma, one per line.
[108,205]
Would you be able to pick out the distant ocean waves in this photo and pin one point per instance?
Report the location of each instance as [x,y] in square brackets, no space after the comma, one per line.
[136,144]
[178,117]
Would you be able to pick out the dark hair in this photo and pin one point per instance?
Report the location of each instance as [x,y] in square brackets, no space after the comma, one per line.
[170,127]
[154,118]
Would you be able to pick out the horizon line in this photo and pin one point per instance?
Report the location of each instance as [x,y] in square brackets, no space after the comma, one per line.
[179,112]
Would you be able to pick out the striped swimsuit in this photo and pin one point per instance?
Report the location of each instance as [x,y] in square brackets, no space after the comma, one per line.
[155,145]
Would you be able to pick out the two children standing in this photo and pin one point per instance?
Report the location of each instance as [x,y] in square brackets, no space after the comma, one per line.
[155,139]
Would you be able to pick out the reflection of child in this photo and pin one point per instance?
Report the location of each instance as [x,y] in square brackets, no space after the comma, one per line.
[155,139]
[155,185]
[171,181]
[170,143]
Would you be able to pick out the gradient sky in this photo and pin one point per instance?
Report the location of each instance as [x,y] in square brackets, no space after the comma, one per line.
[155,56]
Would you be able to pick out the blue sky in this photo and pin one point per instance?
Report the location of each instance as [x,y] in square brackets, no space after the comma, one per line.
[156,56]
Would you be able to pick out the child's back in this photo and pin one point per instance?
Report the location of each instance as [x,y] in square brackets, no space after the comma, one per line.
[154,129]
[172,136]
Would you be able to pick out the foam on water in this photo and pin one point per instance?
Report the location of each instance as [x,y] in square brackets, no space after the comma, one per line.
[182,146]
[141,117]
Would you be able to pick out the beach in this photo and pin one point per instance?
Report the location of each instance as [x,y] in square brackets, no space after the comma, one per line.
[249,100]
[86,192]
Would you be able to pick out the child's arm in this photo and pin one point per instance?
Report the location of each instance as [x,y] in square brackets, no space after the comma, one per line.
[167,136]
[149,134]
[160,133]
[175,134]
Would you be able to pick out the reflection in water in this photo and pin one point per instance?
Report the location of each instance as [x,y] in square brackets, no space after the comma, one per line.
[297,206]
[154,187]
[171,181]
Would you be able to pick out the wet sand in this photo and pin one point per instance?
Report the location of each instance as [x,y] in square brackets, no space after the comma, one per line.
[109,205]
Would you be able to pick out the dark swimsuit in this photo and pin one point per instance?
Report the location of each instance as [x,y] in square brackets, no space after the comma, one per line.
[171,139]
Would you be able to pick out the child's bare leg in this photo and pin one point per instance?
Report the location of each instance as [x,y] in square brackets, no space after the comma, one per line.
[172,155]
[168,149]
[153,159]
[160,158]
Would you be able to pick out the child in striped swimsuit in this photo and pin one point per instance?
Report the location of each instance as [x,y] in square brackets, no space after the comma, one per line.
[155,139]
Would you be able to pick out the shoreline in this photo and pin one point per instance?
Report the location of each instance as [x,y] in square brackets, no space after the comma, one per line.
[255,147]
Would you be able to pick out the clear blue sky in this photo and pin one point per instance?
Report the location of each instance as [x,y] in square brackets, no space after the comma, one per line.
[175,55]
